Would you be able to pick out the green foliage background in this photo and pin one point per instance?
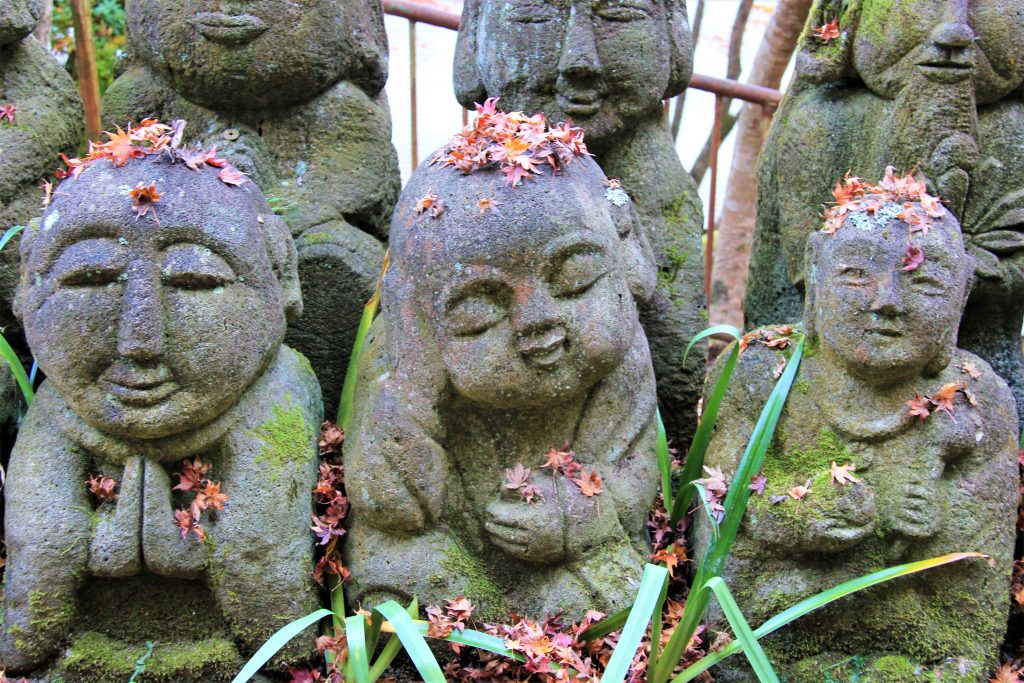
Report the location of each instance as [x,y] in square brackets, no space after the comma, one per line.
[108,31]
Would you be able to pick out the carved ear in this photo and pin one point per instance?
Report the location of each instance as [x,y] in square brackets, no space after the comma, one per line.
[28,236]
[813,247]
[469,85]
[638,257]
[367,44]
[281,249]
[818,62]
[680,47]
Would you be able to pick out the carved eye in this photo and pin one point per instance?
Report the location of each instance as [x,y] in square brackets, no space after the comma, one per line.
[852,276]
[578,272]
[195,267]
[929,286]
[93,262]
[623,10]
[477,308]
[531,12]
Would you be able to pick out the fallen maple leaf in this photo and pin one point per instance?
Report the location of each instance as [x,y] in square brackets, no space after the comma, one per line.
[671,556]
[191,476]
[800,492]
[487,204]
[102,487]
[119,148]
[143,198]
[518,477]
[331,438]
[827,32]
[1006,674]
[919,406]
[913,259]
[589,483]
[943,398]
[843,474]
[562,461]
[7,112]
[425,202]
[757,483]
[969,367]
[531,491]
[232,176]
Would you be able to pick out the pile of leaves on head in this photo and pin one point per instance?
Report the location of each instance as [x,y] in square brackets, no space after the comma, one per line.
[518,144]
[865,205]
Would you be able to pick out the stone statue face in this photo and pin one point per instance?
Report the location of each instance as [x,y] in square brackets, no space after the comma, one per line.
[529,307]
[945,41]
[255,54]
[604,64]
[17,19]
[151,329]
[876,320]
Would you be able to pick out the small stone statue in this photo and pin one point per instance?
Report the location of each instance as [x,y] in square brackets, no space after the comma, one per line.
[933,84]
[159,325]
[608,66]
[40,116]
[292,94]
[509,333]
[894,446]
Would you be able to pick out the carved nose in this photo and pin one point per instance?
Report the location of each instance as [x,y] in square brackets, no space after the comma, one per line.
[579,56]
[953,35]
[534,313]
[140,335]
[887,297]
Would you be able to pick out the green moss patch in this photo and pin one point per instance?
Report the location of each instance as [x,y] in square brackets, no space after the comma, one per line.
[97,658]
[286,437]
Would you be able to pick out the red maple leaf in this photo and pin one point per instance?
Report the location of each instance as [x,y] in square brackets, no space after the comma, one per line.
[913,259]
[919,406]
[7,112]
[827,32]
[232,176]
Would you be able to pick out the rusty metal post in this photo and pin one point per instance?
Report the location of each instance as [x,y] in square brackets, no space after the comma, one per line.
[709,247]
[85,58]
[412,93]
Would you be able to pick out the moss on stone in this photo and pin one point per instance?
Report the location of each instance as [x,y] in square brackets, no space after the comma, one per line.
[310,239]
[99,659]
[286,437]
[480,587]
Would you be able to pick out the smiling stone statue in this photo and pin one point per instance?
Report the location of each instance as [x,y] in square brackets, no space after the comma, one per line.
[894,446]
[160,336]
[292,94]
[934,84]
[40,116]
[608,66]
[509,332]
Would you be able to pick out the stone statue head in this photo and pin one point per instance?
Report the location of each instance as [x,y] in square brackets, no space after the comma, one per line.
[259,54]
[879,321]
[605,64]
[152,325]
[18,18]
[521,306]
[889,45]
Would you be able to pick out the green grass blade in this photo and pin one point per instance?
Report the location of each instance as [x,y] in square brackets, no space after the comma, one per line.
[393,646]
[664,463]
[652,659]
[607,625]
[481,641]
[652,582]
[373,632]
[735,506]
[358,660]
[413,642]
[814,602]
[744,636]
[10,233]
[20,376]
[276,642]
[703,498]
[348,388]
[694,463]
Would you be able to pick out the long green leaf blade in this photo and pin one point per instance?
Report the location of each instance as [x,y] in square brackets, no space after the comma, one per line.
[814,602]
[606,625]
[348,389]
[276,642]
[758,659]
[664,463]
[694,463]
[393,646]
[413,642]
[651,583]
[355,637]
[10,233]
[20,376]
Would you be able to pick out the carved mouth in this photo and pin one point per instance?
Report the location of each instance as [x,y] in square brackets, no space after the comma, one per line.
[139,386]
[946,71]
[885,332]
[229,28]
[547,351]
[581,104]
[142,396]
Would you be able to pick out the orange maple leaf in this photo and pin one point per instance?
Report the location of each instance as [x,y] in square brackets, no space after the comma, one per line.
[232,176]
[827,32]
[843,474]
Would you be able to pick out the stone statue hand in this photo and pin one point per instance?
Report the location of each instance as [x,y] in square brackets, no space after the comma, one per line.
[533,532]
[819,524]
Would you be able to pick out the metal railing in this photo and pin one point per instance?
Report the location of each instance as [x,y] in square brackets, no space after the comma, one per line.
[723,90]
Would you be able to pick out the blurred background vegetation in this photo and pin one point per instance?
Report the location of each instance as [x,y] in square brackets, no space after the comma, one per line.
[108,32]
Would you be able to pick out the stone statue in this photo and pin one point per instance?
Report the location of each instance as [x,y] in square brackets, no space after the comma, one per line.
[509,332]
[608,67]
[894,446]
[160,334]
[918,83]
[40,116]
[292,94]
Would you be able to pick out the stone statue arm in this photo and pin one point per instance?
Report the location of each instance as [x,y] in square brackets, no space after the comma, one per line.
[269,466]
[47,529]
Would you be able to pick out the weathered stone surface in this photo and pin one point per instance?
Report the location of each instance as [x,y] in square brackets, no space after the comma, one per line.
[608,66]
[161,339]
[877,336]
[292,94]
[503,336]
[916,82]
[47,121]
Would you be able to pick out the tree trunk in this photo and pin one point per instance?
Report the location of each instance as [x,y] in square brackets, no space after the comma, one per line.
[42,30]
[739,209]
